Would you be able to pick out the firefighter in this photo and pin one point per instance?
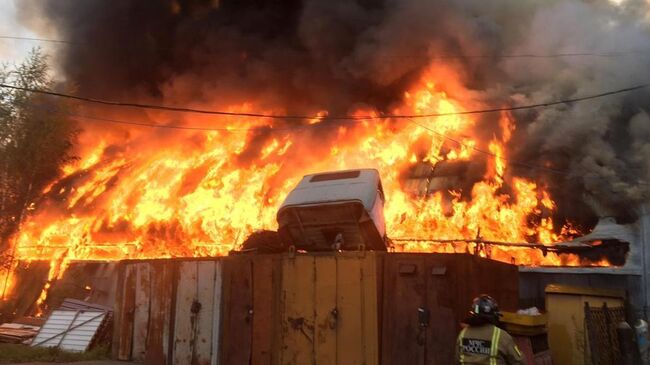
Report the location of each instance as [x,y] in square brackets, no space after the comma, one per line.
[482,341]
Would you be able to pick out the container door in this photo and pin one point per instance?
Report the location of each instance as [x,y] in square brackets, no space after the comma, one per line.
[403,340]
[197,312]
[250,310]
[124,312]
[160,309]
[419,323]
[237,315]
[329,313]
[357,334]
[298,299]
[443,325]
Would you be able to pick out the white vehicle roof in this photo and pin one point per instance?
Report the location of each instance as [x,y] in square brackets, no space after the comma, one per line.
[346,185]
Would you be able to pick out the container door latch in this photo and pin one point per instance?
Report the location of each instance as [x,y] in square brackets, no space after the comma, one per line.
[423,324]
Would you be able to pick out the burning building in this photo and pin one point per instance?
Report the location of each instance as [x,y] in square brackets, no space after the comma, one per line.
[311,86]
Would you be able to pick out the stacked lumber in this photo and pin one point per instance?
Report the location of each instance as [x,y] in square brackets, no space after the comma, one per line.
[17,332]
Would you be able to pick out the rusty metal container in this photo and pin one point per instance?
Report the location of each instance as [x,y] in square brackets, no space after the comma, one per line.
[302,308]
[427,295]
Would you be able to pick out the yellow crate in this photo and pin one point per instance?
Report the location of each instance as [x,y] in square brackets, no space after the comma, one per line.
[523,325]
[524,320]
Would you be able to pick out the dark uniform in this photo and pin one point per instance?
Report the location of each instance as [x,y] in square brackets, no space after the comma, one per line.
[486,344]
[482,342]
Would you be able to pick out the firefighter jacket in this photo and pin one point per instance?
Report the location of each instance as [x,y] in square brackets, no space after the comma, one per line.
[486,345]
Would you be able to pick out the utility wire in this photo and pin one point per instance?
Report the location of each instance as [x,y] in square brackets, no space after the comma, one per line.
[31,39]
[319,125]
[614,53]
[92,118]
[309,127]
[312,117]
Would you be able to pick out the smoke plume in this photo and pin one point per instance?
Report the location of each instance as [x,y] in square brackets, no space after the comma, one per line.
[302,57]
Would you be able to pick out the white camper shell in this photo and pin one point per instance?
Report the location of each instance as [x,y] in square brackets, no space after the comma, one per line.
[335,210]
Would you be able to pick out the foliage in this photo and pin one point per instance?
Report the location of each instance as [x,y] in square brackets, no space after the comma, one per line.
[35,139]
[13,353]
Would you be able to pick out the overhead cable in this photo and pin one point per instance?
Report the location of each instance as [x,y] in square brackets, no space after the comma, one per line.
[316,117]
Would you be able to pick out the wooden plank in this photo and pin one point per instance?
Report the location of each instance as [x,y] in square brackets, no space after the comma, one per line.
[298,310]
[263,310]
[237,317]
[216,312]
[141,313]
[326,310]
[125,342]
[118,310]
[278,311]
[404,288]
[350,334]
[202,339]
[186,294]
[160,312]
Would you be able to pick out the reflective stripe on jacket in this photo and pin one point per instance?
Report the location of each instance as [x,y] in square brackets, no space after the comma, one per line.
[486,345]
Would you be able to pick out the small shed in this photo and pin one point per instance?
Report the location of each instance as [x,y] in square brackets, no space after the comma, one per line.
[565,306]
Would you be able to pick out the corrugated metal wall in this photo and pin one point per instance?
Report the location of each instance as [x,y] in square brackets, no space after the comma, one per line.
[322,308]
[70,330]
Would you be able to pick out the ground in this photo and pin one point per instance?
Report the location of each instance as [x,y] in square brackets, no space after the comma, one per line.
[22,354]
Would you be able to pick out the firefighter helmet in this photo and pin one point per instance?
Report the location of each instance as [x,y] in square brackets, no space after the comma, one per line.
[485,306]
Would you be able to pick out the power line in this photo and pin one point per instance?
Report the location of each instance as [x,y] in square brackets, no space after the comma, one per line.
[614,53]
[308,127]
[342,117]
[31,39]
[189,128]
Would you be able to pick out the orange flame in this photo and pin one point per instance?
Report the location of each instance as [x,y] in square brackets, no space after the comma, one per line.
[194,197]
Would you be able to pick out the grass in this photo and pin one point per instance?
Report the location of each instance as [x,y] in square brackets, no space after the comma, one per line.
[12,353]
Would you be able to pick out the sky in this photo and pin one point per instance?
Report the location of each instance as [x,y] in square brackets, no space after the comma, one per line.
[13,50]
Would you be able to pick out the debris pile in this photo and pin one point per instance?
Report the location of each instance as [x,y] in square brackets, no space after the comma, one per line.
[17,333]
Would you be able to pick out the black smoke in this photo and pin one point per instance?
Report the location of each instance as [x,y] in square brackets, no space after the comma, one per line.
[336,55]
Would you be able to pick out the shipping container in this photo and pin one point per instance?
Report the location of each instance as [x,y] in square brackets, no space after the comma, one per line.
[426,296]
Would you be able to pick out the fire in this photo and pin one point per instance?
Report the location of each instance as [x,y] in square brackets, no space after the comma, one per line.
[202,193]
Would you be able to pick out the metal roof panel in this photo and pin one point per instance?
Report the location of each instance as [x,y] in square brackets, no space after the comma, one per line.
[70,330]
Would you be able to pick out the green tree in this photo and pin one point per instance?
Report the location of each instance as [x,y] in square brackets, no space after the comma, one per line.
[36,140]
